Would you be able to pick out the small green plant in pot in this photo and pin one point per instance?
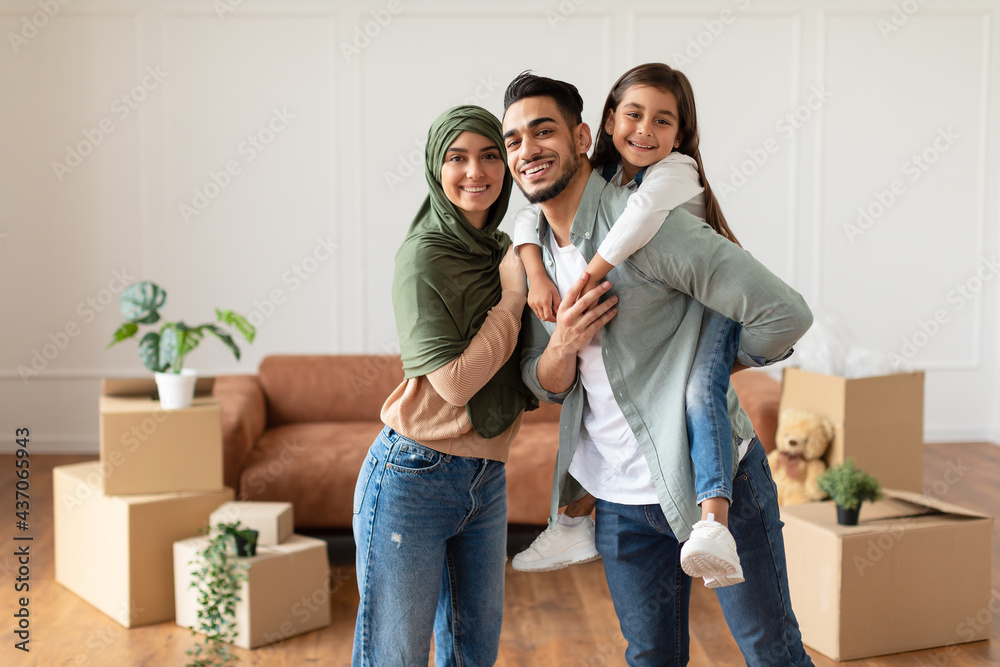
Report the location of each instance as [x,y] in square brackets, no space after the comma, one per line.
[849,486]
[219,573]
[164,351]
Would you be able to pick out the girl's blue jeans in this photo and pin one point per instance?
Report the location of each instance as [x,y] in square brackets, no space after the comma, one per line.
[710,433]
[431,536]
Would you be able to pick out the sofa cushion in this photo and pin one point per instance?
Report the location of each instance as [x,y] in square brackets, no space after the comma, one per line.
[324,388]
[314,466]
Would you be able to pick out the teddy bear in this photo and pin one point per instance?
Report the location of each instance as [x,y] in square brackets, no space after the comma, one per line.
[801,440]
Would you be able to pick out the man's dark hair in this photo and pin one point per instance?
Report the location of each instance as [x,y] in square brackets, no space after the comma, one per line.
[565,95]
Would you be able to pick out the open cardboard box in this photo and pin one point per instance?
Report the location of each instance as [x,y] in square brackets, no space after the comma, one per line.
[116,552]
[879,421]
[146,449]
[913,574]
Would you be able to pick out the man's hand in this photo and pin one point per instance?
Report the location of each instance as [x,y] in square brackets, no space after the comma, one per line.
[578,319]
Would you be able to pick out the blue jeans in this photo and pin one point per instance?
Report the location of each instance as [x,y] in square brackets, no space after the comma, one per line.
[710,433]
[651,592]
[431,536]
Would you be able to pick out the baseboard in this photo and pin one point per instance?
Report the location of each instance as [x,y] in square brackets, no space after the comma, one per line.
[959,434]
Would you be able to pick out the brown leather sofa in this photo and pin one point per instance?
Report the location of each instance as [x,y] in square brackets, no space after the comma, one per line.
[299,429]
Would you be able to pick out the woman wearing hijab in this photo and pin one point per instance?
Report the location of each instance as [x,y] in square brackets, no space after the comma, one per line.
[430,506]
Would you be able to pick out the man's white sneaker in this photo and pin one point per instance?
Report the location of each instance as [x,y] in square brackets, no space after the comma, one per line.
[710,553]
[558,546]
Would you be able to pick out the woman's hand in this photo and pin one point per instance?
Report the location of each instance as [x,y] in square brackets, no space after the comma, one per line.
[512,276]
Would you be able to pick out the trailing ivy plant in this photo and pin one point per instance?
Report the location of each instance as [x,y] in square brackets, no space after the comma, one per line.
[217,577]
[165,350]
[849,486]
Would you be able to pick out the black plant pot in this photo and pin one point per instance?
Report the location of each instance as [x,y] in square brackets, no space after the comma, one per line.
[246,542]
[846,517]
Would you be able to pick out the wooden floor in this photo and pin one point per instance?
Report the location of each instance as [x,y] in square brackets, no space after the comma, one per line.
[554,619]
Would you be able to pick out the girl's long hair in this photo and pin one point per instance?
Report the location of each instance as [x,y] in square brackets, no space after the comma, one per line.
[673,81]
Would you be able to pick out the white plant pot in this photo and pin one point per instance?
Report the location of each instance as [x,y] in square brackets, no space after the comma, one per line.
[176,390]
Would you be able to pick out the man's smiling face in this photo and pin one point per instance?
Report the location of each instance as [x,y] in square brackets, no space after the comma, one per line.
[543,153]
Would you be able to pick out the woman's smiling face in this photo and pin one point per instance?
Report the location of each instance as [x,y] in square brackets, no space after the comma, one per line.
[472,176]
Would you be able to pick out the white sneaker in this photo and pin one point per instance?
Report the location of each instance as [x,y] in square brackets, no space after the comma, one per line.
[558,546]
[710,553]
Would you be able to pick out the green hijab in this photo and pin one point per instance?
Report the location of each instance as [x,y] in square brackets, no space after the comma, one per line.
[447,278]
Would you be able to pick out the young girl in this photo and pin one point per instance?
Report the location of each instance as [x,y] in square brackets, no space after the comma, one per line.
[650,139]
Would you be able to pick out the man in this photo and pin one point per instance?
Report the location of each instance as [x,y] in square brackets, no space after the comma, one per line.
[623,363]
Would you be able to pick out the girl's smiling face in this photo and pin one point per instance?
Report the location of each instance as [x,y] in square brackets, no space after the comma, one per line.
[472,176]
[644,127]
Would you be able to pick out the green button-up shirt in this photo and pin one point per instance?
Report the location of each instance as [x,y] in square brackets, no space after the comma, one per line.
[649,346]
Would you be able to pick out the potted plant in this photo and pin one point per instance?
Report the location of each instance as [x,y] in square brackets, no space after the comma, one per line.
[164,351]
[219,573]
[849,486]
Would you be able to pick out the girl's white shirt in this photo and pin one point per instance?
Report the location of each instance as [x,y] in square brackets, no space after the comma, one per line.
[667,184]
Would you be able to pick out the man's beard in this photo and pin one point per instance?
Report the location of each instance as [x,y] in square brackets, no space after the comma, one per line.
[556,188]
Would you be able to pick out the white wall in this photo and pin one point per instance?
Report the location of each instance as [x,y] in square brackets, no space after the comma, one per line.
[344,122]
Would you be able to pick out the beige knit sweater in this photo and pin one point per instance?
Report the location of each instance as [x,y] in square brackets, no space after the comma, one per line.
[431,408]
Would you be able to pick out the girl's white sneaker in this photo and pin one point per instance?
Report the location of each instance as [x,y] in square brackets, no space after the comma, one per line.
[557,547]
[710,553]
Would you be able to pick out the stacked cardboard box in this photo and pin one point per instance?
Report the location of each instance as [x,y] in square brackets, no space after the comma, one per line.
[158,480]
[286,592]
[879,421]
[913,574]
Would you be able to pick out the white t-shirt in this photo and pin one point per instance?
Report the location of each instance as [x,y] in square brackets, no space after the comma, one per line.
[667,184]
[607,462]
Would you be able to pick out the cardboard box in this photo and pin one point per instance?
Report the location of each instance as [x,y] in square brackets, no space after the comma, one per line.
[879,421]
[286,592]
[116,552]
[913,574]
[146,449]
[273,521]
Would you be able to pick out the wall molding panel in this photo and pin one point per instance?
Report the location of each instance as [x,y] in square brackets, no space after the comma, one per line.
[292,130]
